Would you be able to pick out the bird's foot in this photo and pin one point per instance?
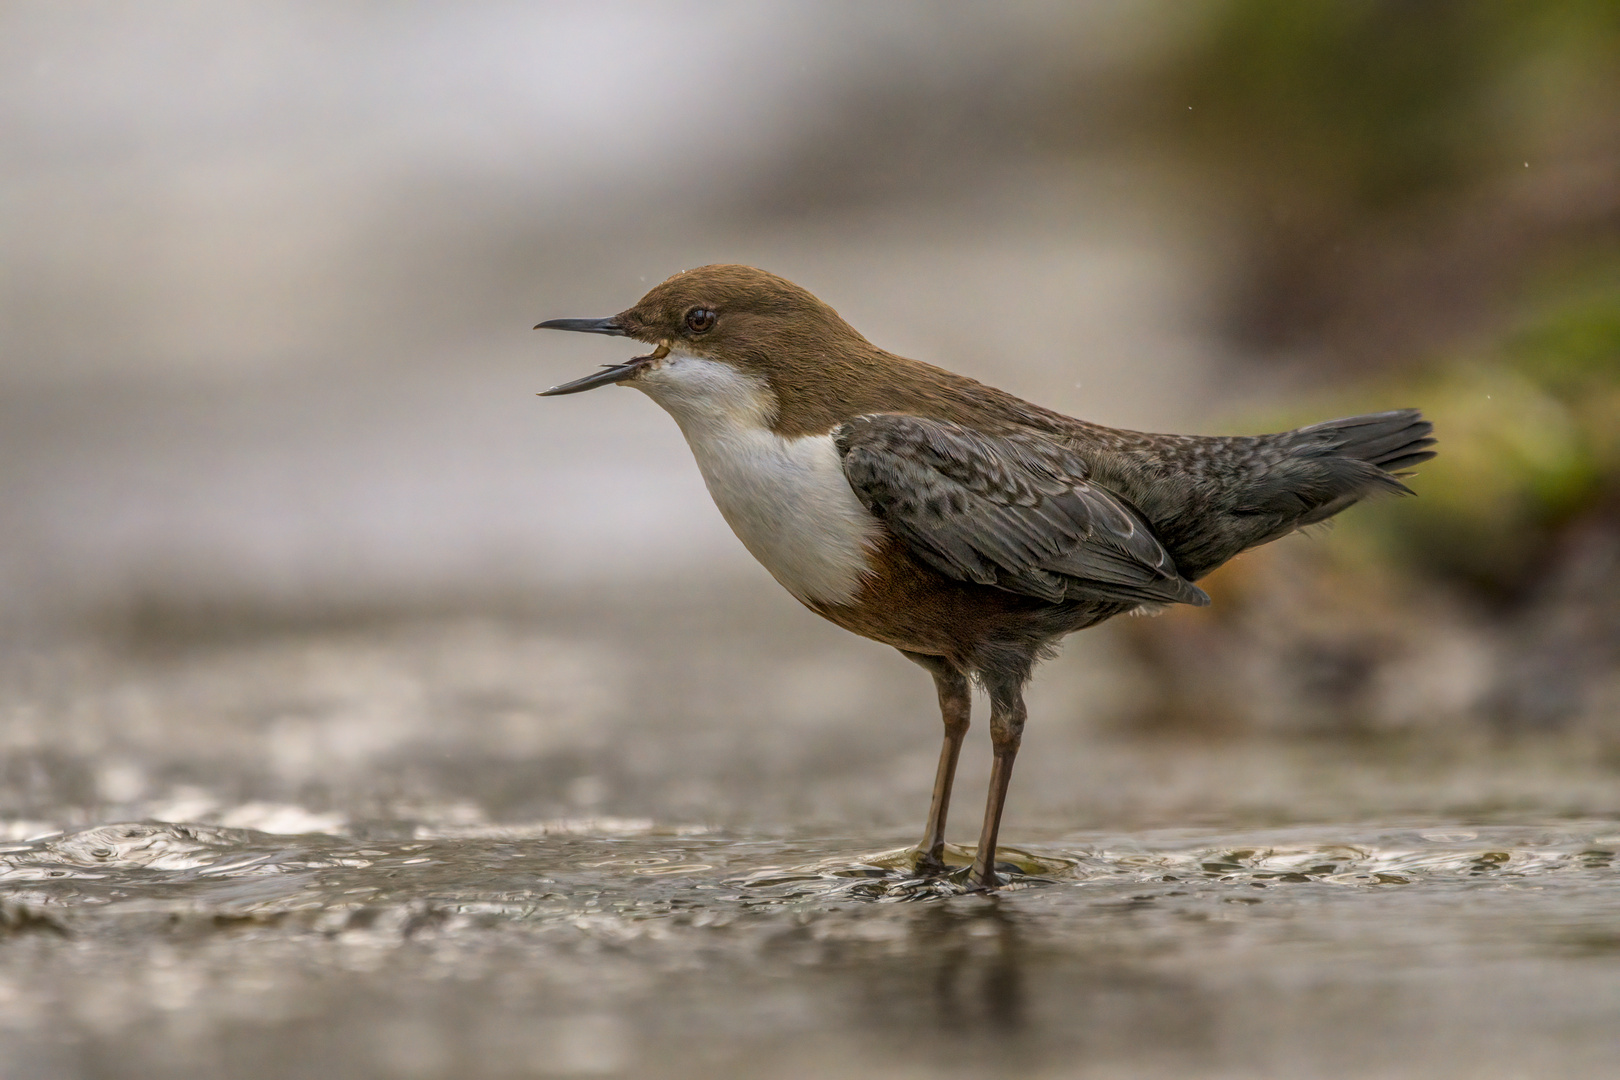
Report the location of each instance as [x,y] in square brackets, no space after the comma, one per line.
[986,882]
[962,867]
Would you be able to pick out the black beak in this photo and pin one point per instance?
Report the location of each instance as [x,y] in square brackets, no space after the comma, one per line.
[610,373]
[608,326]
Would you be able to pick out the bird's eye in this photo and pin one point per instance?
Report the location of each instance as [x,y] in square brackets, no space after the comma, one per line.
[699,319]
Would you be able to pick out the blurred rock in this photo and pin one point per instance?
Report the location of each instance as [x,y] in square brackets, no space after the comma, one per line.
[1296,644]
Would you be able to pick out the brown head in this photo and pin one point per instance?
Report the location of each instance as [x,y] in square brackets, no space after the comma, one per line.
[812,369]
[736,314]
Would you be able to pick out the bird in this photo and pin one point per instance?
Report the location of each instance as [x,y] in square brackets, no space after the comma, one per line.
[962,525]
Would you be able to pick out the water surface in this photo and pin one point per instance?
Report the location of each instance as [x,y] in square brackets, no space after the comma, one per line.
[666,836]
[622,948]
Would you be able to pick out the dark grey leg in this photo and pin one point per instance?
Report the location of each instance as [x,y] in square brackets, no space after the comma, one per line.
[1007,715]
[955,704]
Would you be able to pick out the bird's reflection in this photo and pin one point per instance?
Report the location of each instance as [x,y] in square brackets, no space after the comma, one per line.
[961,969]
[978,966]
[990,977]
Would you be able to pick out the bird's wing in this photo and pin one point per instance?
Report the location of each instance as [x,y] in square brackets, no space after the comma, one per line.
[1011,511]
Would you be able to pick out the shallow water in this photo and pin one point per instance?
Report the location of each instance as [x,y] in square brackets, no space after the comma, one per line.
[668,838]
[621,948]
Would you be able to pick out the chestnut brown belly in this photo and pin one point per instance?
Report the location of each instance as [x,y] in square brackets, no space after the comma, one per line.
[909,605]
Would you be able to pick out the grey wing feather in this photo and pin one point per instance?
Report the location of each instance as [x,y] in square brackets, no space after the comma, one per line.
[1017,513]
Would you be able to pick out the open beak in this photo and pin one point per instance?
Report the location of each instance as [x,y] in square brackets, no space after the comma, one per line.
[610,373]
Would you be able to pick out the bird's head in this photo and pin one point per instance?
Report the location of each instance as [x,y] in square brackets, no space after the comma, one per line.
[753,321]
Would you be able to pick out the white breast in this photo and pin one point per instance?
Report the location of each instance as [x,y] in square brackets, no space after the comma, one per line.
[786,499]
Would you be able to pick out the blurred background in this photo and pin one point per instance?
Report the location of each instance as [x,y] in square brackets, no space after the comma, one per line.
[288,544]
[266,377]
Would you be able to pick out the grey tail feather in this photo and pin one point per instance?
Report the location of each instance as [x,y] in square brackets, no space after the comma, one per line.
[1393,440]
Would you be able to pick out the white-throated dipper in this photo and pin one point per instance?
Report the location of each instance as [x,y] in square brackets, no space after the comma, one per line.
[967,528]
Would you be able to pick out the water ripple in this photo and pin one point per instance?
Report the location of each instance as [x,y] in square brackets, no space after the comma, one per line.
[568,870]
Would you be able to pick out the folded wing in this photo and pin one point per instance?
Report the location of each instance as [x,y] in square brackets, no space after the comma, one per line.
[1013,512]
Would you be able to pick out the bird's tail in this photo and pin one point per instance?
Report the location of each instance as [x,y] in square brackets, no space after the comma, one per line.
[1392,442]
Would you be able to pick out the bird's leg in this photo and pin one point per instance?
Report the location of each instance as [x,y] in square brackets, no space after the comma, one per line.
[1006,731]
[955,705]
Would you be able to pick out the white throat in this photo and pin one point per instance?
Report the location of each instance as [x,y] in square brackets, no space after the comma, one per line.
[786,499]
